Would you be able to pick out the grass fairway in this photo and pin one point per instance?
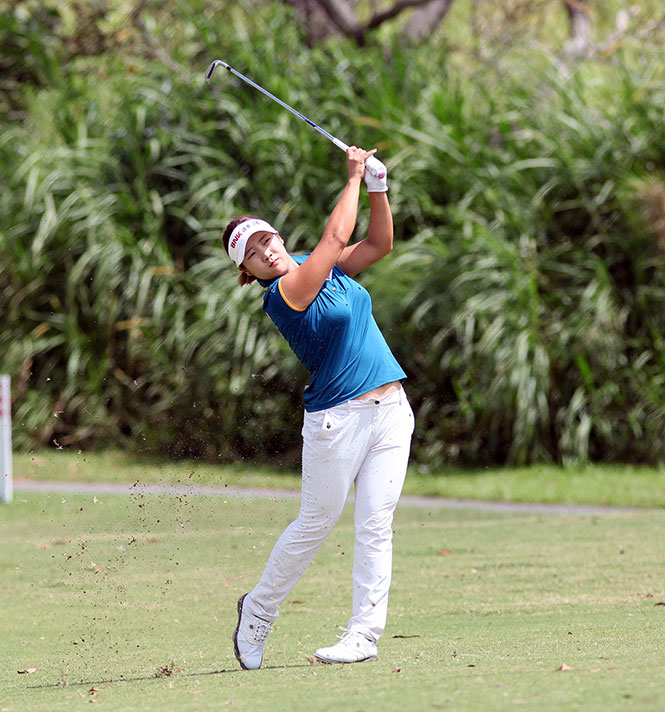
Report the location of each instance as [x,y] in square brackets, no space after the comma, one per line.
[129,602]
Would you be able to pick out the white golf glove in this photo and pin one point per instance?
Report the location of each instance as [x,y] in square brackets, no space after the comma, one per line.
[376,176]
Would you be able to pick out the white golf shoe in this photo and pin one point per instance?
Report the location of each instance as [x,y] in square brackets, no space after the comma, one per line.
[353,647]
[250,638]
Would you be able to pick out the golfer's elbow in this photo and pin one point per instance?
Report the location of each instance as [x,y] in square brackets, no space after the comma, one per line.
[383,244]
[337,238]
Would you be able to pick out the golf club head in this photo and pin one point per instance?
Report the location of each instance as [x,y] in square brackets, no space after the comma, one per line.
[213,65]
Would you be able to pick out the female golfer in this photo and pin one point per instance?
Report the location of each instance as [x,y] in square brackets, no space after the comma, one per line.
[358,422]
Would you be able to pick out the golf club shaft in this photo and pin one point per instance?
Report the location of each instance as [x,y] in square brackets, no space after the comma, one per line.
[373,165]
[247,80]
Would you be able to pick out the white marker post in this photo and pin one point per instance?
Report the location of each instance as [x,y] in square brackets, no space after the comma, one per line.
[6,482]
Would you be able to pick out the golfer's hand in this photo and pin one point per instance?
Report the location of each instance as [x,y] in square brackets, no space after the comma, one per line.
[356,158]
[376,176]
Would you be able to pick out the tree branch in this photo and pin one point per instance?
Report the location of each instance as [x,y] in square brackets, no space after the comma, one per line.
[425,20]
[341,13]
[378,18]
[579,44]
[344,17]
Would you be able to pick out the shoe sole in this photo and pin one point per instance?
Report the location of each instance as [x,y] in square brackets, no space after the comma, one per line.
[370,659]
[235,634]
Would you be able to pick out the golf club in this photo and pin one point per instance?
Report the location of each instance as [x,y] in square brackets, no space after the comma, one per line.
[372,164]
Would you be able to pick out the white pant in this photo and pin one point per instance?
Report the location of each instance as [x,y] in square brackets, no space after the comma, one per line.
[361,441]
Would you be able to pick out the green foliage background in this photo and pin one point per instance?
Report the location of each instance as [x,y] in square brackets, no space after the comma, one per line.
[525,297]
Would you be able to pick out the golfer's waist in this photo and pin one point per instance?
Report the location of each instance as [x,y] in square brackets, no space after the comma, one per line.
[380,391]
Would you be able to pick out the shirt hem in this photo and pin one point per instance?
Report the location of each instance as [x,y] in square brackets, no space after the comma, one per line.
[353,394]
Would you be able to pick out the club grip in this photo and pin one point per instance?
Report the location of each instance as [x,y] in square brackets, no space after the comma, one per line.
[375,167]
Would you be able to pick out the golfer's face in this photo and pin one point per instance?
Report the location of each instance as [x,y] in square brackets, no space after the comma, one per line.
[265,255]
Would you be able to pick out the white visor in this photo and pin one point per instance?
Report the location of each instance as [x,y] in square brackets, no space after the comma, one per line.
[242,233]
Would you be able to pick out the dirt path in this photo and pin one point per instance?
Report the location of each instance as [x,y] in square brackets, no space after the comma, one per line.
[95,488]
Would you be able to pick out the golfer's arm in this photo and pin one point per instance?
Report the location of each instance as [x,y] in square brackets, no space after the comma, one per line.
[301,286]
[379,240]
[342,220]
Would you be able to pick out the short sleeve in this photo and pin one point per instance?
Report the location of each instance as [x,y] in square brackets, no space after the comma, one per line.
[276,306]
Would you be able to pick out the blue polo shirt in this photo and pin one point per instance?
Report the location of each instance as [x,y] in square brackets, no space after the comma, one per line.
[335,338]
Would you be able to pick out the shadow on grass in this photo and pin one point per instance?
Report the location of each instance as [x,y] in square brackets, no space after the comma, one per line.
[155,677]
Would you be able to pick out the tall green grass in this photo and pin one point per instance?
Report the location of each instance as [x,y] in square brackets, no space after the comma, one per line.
[524,297]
